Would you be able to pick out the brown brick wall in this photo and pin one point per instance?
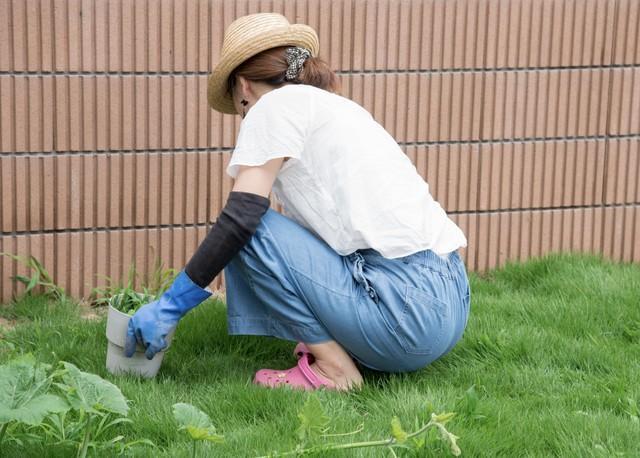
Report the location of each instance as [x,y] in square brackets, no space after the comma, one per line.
[523,116]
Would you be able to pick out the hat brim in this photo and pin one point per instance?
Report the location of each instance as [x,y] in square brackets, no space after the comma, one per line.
[293,35]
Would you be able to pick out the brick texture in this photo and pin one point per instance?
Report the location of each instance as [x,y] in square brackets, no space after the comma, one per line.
[521,115]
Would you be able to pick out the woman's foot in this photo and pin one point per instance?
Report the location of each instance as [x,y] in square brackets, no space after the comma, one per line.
[325,365]
[332,362]
[301,376]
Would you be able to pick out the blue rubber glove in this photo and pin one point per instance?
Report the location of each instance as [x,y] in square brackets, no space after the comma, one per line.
[152,322]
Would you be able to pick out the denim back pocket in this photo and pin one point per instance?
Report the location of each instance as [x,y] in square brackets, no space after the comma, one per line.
[423,322]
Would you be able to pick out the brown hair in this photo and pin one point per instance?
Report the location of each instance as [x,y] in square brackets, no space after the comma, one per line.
[270,66]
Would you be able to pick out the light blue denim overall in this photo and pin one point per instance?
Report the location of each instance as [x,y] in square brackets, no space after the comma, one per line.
[391,315]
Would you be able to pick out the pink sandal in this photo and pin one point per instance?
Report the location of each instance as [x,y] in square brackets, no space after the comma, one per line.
[300,376]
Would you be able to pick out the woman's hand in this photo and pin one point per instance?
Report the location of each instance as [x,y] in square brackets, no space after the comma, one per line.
[152,322]
[150,326]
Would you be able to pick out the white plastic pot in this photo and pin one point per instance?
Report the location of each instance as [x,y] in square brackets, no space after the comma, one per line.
[117,362]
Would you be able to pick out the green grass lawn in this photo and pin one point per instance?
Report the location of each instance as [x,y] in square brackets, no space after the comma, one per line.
[549,366]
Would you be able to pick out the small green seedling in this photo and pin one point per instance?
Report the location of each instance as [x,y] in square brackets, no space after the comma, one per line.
[313,420]
[196,423]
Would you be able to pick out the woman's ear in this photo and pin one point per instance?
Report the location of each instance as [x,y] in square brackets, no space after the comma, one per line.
[243,87]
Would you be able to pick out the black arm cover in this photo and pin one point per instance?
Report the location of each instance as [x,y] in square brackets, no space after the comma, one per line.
[236,224]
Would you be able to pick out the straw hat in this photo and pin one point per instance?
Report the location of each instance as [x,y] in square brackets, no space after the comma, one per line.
[247,36]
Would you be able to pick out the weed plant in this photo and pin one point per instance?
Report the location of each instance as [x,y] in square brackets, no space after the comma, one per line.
[40,279]
[128,298]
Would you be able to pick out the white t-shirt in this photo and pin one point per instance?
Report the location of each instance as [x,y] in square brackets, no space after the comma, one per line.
[346,180]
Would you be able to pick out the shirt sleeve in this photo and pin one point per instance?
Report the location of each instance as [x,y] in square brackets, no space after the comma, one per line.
[276,126]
